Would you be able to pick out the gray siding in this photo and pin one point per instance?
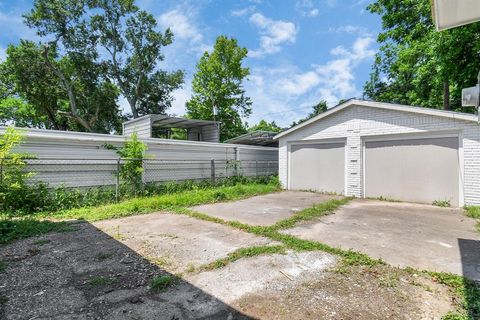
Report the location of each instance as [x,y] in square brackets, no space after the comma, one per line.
[142,126]
[83,159]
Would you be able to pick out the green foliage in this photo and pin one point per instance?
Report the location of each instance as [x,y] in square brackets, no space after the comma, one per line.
[132,154]
[468,292]
[441,203]
[218,81]
[473,212]
[160,283]
[15,229]
[265,126]
[417,65]
[81,99]
[14,190]
[100,281]
[115,37]
[171,201]
[21,114]
[316,110]
[244,253]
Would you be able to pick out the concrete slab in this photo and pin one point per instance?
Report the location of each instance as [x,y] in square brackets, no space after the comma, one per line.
[178,242]
[402,234]
[266,209]
[276,271]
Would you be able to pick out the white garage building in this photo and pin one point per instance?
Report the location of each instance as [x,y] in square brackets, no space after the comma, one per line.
[372,149]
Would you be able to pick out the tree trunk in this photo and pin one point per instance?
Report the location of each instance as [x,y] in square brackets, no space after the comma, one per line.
[71,95]
[446,95]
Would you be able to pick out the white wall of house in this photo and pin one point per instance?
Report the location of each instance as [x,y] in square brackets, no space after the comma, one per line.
[356,123]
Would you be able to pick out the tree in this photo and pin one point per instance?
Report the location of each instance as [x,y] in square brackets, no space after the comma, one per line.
[126,34]
[417,65]
[218,81]
[265,126]
[33,87]
[316,110]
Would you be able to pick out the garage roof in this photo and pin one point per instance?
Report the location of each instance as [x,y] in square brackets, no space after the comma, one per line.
[382,105]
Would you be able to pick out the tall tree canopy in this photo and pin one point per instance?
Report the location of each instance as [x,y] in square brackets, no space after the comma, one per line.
[265,126]
[316,110]
[33,90]
[218,81]
[417,65]
[111,40]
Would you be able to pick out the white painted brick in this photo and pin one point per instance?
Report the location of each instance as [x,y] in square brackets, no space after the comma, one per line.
[356,122]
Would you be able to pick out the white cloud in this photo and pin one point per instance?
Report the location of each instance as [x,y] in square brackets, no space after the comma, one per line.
[12,26]
[274,33]
[3,54]
[350,29]
[299,84]
[242,12]
[306,8]
[181,95]
[286,93]
[313,13]
[180,24]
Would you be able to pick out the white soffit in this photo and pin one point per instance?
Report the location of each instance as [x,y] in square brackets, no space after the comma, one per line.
[453,13]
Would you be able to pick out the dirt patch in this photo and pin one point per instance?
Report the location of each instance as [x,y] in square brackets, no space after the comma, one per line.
[354,293]
[87,274]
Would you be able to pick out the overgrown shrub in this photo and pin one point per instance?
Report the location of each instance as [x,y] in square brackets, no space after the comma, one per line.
[14,190]
[132,153]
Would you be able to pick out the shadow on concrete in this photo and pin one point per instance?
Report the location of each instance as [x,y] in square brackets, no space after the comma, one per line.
[470,257]
[87,274]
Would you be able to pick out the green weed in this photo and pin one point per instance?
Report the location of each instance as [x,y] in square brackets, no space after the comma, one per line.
[160,283]
[100,281]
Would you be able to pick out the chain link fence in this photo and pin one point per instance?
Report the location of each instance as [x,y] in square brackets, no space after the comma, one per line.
[108,172]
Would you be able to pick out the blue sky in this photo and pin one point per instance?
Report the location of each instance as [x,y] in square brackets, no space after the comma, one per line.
[300,51]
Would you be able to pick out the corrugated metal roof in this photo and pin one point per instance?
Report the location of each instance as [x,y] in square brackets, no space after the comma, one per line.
[257,138]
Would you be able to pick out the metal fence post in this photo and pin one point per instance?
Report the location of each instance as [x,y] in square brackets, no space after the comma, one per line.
[236,161]
[143,175]
[117,182]
[256,168]
[212,171]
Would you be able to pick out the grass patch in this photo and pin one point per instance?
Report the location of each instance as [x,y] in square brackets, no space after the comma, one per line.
[15,229]
[243,253]
[100,281]
[441,203]
[349,257]
[41,242]
[474,212]
[318,210]
[467,291]
[103,256]
[160,283]
[174,201]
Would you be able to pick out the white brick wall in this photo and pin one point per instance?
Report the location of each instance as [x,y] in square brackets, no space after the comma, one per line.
[356,122]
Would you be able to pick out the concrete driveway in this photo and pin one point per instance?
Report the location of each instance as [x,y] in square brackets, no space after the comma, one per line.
[264,210]
[402,234]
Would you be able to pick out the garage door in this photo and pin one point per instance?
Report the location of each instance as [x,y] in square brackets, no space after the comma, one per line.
[417,170]
[319,167]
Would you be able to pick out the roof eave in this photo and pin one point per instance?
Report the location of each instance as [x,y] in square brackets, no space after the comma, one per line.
[381,105]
